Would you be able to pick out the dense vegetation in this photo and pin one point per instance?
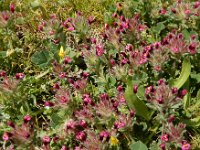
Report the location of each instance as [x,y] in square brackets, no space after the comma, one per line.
[99,74]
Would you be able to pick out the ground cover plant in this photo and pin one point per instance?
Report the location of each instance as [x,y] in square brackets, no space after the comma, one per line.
[99,75]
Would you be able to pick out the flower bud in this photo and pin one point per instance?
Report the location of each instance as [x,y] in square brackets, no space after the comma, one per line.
[2,73]
[171,118]
[46,140]
[120,88]
[185,146]
[67,60]
[6,136]
[161,81]
[162,146]
[11,124]
[64,147]
[81,136]
[12,7]
[183,93]
[27,118]
[48,104]
[104,135]
[62,75]
[56,86]
[174,90]
[19,75]
[135,88]
[83,124]
[165,138]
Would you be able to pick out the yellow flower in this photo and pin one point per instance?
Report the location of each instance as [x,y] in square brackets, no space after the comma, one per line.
[61,52]
[113,140]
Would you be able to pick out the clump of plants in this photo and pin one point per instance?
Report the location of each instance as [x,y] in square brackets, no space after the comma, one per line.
[132,82]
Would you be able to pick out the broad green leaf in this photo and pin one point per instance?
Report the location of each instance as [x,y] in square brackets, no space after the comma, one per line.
[138,146]
[185,73]
[135,103]
[40,58]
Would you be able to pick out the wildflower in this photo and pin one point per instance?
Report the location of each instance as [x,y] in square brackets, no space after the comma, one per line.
[40,27]
[162,146]
[11,124]
[185,146]
[85,75]
[27,118]
[165,137]
[99,50]
[5,16]
[12,7]
[91,19]
[104,135]
[183,93]
[162,11]
[46,140]
[83,124]
[120,88]
[61,52]
[48,104]
[174,90]
[135,88]
[6,136]
[2,73]
[56,86]
[86,99]
[64,147]
[19,75]
[171,118]
[62,75]
[81,136]
[113,140]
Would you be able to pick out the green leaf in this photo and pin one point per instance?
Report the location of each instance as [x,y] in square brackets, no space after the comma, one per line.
[160,26]
[40,58]
[135,103]
[186,34]
[138,146]
[35,4]
[187,97]
[185,73]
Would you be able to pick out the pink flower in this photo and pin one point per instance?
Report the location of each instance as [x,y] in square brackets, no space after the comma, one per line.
[6,136]
[62,75]
[64,147]
[104,135]
[46,140]
[48,104]
[81,136]
[99,50]
[56,86]
[11,124]
[185,146]
[162,11]
[27,118]
[135,88]
[162,146]
[19,75]
[187,12]
[12,7]
[5,16]
[40,27]
[165,137]
[67,60]
[2,73]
